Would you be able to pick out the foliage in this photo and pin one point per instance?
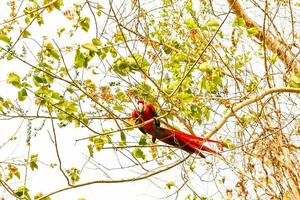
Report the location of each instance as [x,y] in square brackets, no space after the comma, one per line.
[211,71]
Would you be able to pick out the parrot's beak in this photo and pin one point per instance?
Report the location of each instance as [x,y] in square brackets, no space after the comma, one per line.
[141,107]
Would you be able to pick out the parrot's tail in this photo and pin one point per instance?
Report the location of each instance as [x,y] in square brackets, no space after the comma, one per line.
[190,142]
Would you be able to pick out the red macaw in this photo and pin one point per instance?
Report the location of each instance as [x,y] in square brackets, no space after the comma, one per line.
[184,141]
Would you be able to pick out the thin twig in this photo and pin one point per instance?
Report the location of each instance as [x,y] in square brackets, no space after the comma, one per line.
[57,152]
[248,102]
[145,176]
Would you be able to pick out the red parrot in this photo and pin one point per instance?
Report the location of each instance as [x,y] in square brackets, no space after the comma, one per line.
[184,141]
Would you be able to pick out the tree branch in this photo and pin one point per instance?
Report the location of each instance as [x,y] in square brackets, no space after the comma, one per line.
[249,101]
[128,128]
[147,175]
[56,150]
[287,57]
[28,13]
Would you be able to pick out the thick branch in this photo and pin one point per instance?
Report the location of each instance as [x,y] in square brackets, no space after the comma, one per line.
[284,54]
[250,101]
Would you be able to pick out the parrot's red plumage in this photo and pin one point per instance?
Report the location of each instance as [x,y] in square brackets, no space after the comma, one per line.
[184,141]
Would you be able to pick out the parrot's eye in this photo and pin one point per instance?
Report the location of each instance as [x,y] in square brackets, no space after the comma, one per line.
[141,107]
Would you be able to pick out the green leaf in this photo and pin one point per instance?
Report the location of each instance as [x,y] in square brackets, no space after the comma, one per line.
[180,57]
[138,153]
[190,23]
[273,58]
[118,108]
[22,94]
[196,112]
[123,137]
[209,85]
[90,47]
[14,79]
[252,31]
[60,31]
[206,113]
[26,85]
[17,174]
[84,118]
[96,42]
[123,66]
[39,195]
[50,51]
[57,96]
[118,37]
[253,85]
[70,90]
[61,116]
[141,60]
[58,4]
[91,150]
[192,165]
[205,67]
[1,106]
[238,21]
[294,80]
[113,52]
[154,152]
[212,22]
[85,24]
[50,7]
[45,66]
[170,184]
[228,144]
[90,84]
[33,162]
[4,38]
[23,193]
[98,143]
[217,78]
[26,34]
[70,107]
[73,174]
[120,95]
[186,97]
[8,104]
[37,80]
[80,59]
[143,140]
[146,87]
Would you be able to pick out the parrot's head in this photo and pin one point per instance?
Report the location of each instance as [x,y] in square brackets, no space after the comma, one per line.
[141,105]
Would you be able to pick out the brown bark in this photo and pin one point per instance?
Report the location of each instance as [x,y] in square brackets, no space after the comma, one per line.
[285,55]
